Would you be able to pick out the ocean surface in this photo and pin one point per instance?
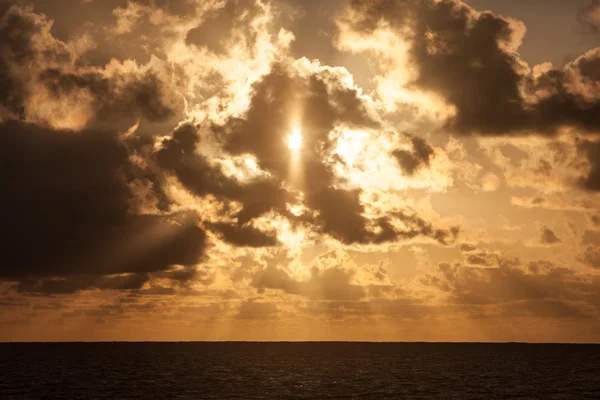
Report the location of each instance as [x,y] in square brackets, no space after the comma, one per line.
[298,371]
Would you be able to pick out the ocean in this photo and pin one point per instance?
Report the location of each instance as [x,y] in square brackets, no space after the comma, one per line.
[311,370]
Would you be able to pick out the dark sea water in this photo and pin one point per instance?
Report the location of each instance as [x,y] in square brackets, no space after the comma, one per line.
[298,371]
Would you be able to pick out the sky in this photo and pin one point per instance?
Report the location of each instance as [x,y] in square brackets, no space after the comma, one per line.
[366,170]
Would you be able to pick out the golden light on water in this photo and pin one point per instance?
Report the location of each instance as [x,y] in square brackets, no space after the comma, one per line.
[295,139]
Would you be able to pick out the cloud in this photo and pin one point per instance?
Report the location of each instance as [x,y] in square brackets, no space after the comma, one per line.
[563,202]
[66,203]
[316,99]
[332,276]
[591,256]
[253,310]
[244,235]
[421,155]
[589,17]
[590,241]
[591,150]
[42,82]
[178,155]
[470,59]
[338,212]
[478,259]
[550,166]
[93,191]
[543,309]
[466,247]
[329,284]
[548,236]
[228,26]
[82,282]
[538,288]
[145,162]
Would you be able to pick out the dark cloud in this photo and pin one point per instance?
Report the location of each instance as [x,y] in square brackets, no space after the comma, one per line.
[330,277]
[178,155]
[158,291]
[341,216]
[591,244]
[18,30]
[72,14]
[244,235]
[399,309]
[589,17]
[316,104]
[276,278]
[477,259]
[471,70]
[547,236]
[470,60]
[120,29]
[568,96]
[140,30]
[182,276]
[591,151]
[226,26]
[44,84]
[335,284]
[251,309]
[40,81]
[420,156]
[328,284]
[535,286]
[322,102]
[66,201]
[591,237]
[113,97]
[591,256]
[481,258]
[83,282]
[543,309]
[466,247]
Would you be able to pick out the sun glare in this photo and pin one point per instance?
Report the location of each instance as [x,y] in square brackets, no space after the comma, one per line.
[295,139]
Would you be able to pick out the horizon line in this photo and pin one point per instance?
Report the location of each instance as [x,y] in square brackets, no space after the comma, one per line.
[292,342]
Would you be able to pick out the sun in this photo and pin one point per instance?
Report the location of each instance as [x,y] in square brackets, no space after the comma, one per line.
[295,139]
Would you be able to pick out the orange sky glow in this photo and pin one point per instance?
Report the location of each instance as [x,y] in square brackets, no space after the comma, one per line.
[380,170]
